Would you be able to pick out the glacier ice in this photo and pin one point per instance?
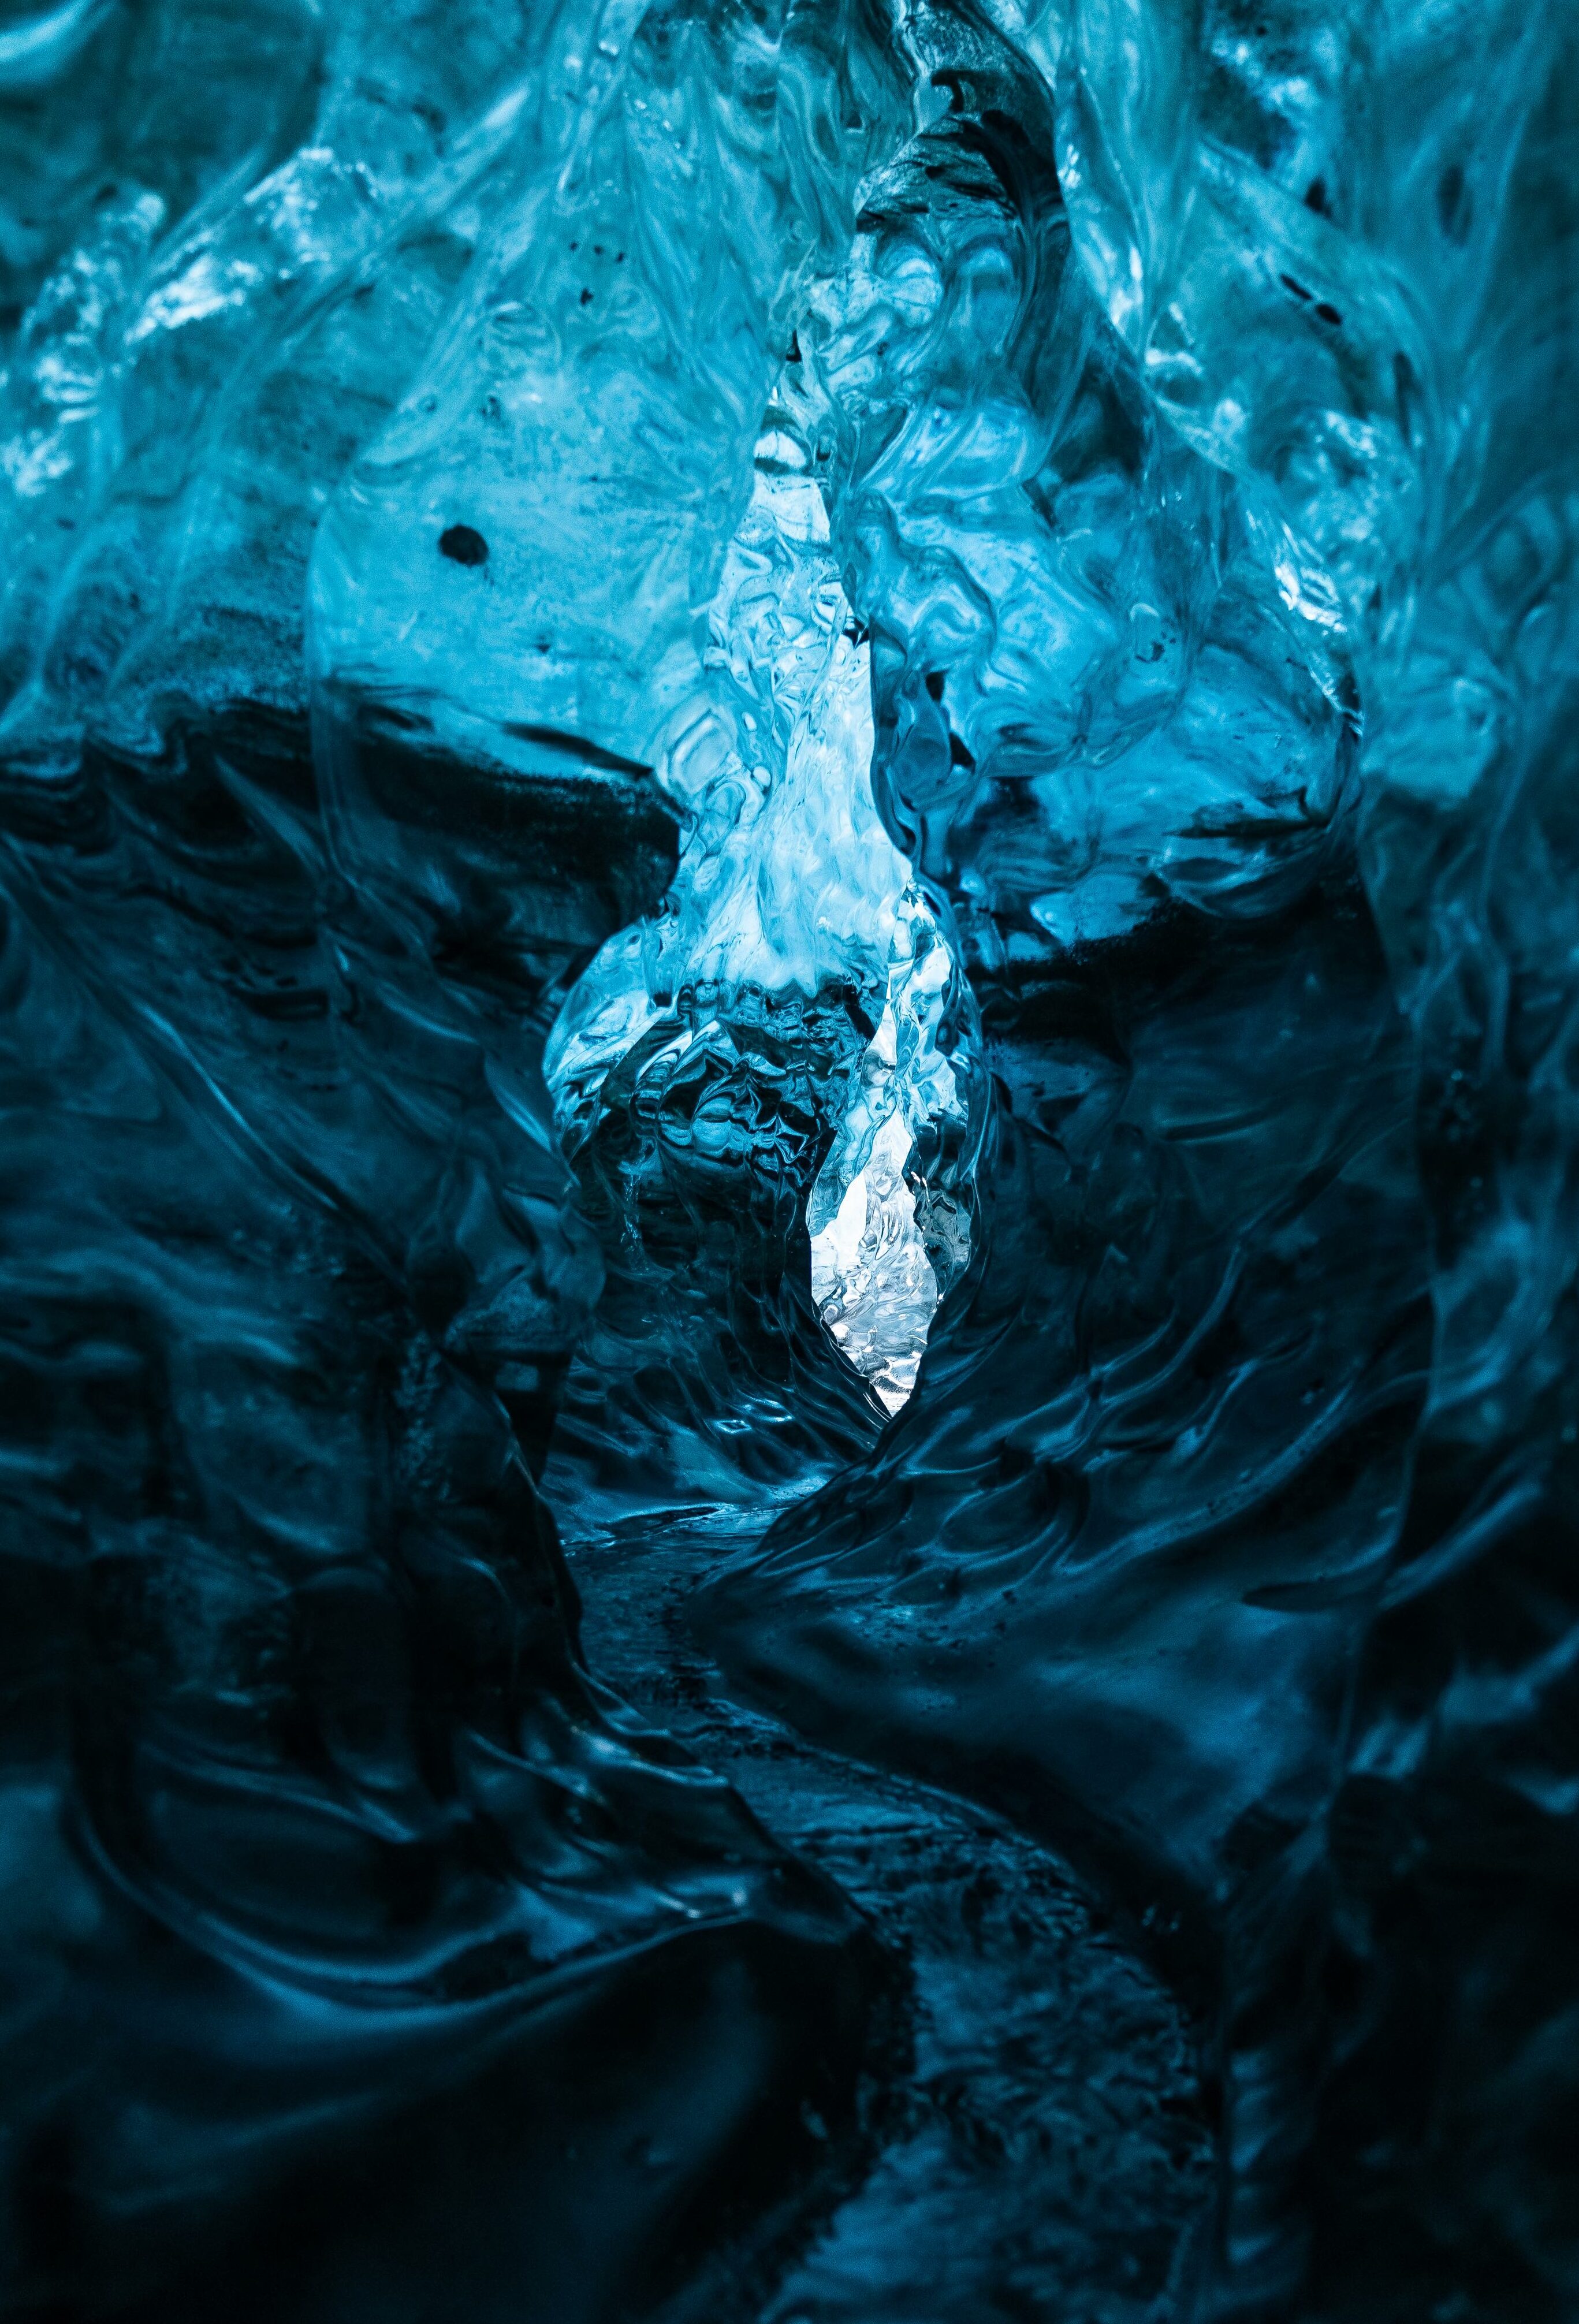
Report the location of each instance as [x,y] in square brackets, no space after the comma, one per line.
[787,883]
[883,1250]
[811,759]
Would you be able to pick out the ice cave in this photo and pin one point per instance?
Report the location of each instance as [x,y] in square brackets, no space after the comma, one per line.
[790,1053]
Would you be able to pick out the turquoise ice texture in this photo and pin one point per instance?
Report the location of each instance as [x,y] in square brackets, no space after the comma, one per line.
[814,757]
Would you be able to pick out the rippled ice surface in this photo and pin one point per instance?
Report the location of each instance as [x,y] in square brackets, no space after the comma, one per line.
[786,834]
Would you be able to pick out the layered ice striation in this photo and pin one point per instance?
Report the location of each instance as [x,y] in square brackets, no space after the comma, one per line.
[815,758]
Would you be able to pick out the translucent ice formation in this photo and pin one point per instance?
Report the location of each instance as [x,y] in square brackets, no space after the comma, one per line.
[1230,1522]
[368,1941]
[789,886]
[883,1250]
[693,697]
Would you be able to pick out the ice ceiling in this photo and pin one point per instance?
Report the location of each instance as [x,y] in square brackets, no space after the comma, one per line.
[815,758]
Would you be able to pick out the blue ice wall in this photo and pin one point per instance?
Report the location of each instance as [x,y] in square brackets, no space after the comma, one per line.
[692,696]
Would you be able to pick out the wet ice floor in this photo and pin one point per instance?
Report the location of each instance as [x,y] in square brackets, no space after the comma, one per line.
[1043,2154]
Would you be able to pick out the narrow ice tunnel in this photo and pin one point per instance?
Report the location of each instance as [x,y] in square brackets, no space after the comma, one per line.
[790,1147]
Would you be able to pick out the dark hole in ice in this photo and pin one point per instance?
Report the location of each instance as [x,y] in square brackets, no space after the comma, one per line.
[935,684]
[1455,206]
[1408,391]
[463,544]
